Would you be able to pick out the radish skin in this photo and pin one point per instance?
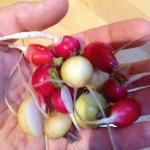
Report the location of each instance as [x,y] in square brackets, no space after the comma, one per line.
[30,118]
[57,125]
[76,71]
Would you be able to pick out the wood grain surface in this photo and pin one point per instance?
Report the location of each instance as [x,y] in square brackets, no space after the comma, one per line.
[85,14]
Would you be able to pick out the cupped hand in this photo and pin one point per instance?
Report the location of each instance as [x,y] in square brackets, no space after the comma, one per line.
[115,35]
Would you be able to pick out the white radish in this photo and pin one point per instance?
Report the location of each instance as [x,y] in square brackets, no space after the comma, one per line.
[98,79]
[76,71]
[57,125]
[30,118]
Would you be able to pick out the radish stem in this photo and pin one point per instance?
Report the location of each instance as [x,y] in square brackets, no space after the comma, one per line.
[138,88]
[104,117]
[46,143]
[137,77]
[28,35]
[145,118]
[129,43]
[29,88]
[67,100]
[47,81]
[5,87]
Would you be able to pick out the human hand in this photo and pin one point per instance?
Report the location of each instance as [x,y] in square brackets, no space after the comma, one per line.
[119,33]
[17,18]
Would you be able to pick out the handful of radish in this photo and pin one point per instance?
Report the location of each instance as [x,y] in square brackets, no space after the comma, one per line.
[73,87]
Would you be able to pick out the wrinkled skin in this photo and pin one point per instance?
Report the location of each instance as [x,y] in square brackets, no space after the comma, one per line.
[133,137]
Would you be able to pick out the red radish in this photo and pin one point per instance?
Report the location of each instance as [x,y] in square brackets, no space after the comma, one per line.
[39,54]
[123,113]
[114,90]
[35,53]
[100,56]
[57,102]
[68,46]
[41,74]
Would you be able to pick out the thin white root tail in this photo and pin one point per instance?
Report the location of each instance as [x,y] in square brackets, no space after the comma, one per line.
[14,112]
[74,121]
[137,77]
[138,88]
[28,35]
[145,118]
[46,143]
[104,117]
[29,88]
[130,43]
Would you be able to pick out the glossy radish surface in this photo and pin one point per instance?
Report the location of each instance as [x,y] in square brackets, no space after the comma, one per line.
[41,74]
[100,56]
[57,102]
[113,90]
[68,46]
[76,71]
[125,112]
[39,54]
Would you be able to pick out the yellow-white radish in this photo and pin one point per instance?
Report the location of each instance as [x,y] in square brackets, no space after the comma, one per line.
[76,71]
[57,125]
[30,118]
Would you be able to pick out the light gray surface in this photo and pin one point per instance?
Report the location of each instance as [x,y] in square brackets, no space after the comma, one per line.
[134,54]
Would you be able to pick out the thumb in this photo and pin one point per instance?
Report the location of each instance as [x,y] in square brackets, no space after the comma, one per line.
[26,16]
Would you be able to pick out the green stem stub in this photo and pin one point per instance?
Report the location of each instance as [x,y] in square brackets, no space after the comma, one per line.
[58,61]
[54,75]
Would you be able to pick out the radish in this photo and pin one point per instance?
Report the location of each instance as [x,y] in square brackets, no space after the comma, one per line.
[57,102]
[57,125]
[41,74]
[30,118]
[123,113]
[100,56]
[114,88]
[87,109]
[98,79]
[39,54]
[68,46]
[35,53]
[76,71]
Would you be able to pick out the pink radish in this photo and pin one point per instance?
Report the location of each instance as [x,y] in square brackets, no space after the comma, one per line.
[126,112]
[39,54]
[68,46]
[35,53]
[123,113]
[41,74]
[100,56]
[57,102]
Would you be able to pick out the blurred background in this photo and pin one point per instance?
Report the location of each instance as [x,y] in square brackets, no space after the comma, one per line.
[86,14]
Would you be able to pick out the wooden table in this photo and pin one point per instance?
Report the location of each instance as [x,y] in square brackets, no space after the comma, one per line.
[85,14]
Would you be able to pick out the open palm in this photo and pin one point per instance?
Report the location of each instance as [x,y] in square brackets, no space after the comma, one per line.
[12,136]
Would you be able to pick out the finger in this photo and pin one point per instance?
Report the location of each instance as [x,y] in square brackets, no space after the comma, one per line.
[132,137]
[118,34]
[27,16]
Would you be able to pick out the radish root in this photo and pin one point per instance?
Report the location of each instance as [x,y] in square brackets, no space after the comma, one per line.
[138,88]
[46,143]
[29,88]
[137,77]
[104,116]
[129,43]
[28,35]
[14,112]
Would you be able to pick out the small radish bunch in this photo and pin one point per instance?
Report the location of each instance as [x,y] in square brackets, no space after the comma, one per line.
[73,87]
